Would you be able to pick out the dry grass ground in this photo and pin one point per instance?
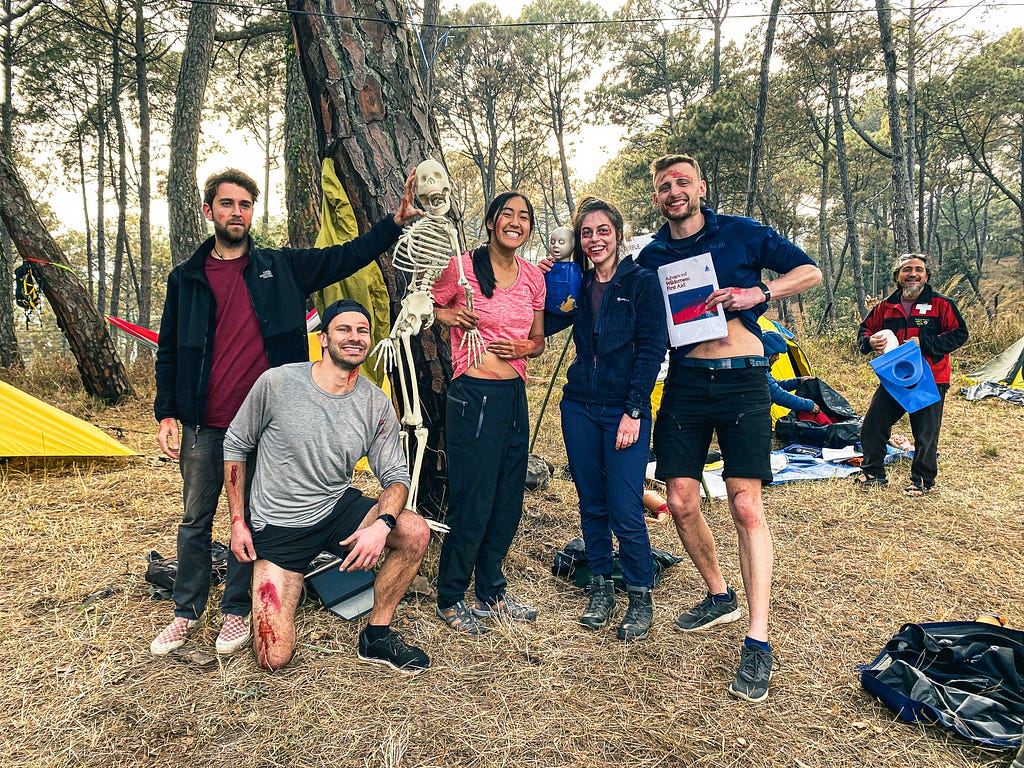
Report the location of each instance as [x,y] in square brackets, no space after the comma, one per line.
[81,689]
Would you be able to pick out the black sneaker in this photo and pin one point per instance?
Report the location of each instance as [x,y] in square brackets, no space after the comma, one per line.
[755,670]
[395,652]
[639,615]
[708,613]
[601,605]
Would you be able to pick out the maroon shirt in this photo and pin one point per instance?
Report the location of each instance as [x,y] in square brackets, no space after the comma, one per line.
[239,356]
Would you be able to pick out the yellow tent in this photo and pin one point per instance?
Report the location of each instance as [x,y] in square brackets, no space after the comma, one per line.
[337,226]
[1004,368]
[30,427]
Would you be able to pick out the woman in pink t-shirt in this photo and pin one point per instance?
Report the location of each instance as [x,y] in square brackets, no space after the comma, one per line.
[486,421]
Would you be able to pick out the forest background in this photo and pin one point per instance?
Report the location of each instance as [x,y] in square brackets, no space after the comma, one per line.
[91,92]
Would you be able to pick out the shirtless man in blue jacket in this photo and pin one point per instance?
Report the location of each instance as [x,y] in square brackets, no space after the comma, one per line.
[719,386]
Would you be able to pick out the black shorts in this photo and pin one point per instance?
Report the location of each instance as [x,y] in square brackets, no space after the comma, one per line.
[295,548]
[733,403]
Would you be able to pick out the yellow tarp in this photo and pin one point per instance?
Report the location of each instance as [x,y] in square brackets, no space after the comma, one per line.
[30,427]
[367,286]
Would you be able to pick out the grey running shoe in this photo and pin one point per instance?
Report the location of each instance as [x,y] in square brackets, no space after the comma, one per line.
[755,670]
[602,603]
[639,615]
[708,613]
[393,651]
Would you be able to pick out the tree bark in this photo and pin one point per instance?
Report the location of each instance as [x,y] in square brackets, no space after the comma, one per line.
[145,233]
[85,329]
[371,117]
[101,186]
[852,239]
[904,228]
[10,354]
[301,170]
[757,140]
[184,203]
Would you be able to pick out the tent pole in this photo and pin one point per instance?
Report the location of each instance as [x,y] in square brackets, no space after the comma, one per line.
[551,385]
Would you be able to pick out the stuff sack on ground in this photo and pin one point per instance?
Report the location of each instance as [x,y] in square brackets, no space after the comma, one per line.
[162,571]
[967,676]
[570,563]
[845,429]
[538,473]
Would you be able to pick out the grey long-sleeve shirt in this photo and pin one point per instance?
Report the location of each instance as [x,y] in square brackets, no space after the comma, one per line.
[309,442]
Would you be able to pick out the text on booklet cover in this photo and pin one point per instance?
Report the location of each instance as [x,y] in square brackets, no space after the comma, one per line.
[686,285]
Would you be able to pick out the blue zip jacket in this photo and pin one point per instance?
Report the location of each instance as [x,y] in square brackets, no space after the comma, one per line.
[782,394]
[278,281]
[618,358]
[740,248]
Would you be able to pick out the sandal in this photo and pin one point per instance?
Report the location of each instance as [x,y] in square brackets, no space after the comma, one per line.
[459,619]
[863,480]
[914,490]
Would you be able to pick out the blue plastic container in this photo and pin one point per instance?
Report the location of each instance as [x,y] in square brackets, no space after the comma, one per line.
[907,377]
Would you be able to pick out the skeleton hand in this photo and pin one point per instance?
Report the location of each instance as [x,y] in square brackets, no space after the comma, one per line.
[474,344]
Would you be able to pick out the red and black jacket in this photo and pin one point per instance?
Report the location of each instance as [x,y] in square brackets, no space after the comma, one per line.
[934,320]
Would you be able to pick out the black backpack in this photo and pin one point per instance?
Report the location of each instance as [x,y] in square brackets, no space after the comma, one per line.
[162,571]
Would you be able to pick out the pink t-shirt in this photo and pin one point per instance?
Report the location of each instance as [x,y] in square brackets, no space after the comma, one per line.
[508,314]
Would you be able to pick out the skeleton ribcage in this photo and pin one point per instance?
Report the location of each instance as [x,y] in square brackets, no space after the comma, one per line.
[424,251]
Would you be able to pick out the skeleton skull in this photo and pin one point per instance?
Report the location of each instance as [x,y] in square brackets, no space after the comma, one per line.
[433,189]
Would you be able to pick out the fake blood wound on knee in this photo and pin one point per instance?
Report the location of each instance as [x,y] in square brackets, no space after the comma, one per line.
[268,596]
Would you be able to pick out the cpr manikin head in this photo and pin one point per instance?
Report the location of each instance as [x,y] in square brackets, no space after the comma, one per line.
[560,244]
[433,189]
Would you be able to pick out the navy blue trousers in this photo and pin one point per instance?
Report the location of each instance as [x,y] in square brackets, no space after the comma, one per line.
[610,485]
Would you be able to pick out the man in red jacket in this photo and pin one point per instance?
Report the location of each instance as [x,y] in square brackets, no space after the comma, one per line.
[913,312]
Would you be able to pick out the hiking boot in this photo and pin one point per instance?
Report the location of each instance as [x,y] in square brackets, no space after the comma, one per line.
[602,603]
[393,651]
[505,607]
[709,612]
[639,615]
[756,668]
[174,635]
[234,634]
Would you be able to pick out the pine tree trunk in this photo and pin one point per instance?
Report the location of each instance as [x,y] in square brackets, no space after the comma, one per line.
[145,234]
[10,355]
[301,170]
[85,329]
[847,187]
[371,117]
[184,203]
[904,227]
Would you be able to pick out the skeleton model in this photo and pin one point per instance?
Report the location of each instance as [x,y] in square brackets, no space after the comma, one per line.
[423,252]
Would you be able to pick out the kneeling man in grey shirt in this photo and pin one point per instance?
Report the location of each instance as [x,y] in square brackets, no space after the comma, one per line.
[311,423]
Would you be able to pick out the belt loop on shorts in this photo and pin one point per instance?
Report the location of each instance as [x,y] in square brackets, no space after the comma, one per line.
[723,364]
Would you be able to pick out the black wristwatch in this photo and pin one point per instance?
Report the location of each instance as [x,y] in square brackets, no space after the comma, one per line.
[633,413]
[767,293]
[389,521]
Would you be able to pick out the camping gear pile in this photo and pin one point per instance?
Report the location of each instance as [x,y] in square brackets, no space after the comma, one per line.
[842,427]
